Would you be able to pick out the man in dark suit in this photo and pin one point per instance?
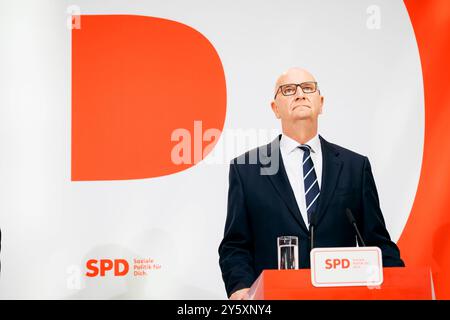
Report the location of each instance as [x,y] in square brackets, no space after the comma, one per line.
[278,189]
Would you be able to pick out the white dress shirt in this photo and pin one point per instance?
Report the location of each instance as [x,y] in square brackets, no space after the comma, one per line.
[292,157]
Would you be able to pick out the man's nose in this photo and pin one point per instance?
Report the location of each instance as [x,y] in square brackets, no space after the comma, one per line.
[300,95]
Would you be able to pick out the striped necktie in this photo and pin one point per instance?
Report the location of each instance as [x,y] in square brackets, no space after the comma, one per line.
[312,190]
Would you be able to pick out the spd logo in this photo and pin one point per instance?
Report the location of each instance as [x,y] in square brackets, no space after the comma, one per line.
[117,267]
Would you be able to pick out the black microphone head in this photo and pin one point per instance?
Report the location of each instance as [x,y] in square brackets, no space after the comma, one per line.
[313,219]
[350,216]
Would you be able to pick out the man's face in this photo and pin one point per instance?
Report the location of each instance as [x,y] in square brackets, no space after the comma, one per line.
[301,105]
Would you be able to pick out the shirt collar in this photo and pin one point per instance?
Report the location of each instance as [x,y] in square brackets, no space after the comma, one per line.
[288,144]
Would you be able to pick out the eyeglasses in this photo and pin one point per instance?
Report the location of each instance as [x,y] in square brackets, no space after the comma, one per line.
[291,88]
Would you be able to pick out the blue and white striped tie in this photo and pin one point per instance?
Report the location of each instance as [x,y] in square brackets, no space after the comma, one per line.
[312,190]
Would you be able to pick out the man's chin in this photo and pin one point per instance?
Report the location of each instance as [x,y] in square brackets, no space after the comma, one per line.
[301,115]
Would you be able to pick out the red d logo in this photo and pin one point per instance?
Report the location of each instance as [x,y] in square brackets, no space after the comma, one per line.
[135,80]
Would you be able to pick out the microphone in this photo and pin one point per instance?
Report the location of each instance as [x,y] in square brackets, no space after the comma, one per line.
[352,221]
[312,225]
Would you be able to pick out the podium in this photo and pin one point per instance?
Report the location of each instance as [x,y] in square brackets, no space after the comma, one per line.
[409,283]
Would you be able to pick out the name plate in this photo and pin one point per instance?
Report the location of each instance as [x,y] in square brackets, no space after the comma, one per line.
[344,267]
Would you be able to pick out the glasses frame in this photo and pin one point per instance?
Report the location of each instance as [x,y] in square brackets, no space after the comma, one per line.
[296,88]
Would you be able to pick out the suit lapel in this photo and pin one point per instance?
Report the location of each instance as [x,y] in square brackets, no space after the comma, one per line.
[280,181]
[331,169]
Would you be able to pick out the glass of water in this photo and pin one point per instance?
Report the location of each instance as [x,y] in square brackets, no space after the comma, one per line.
[287,252]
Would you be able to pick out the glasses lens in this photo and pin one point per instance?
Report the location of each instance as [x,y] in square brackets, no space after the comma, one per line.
[289,89]
[308,87]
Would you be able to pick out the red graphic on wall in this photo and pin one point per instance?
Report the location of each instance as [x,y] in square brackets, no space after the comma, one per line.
[425,239]
[135,80]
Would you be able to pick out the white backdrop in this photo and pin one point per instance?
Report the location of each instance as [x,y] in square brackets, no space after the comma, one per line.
[371,80]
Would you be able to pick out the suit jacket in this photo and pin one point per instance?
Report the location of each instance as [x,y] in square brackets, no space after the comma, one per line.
[262,207]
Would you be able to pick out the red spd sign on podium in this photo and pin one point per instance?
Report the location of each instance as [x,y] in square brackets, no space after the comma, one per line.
[338,267]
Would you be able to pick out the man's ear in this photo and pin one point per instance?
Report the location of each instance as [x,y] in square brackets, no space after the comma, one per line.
[321,104]
[275,109]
